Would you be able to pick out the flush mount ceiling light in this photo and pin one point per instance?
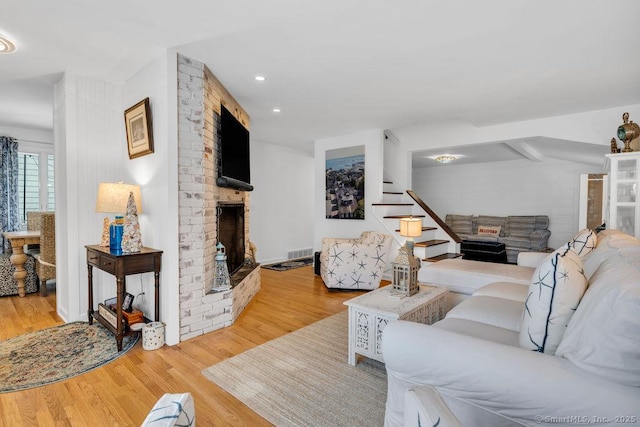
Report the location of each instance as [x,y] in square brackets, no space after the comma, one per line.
[6,45]
[276,110]
[445,158]
[259,78]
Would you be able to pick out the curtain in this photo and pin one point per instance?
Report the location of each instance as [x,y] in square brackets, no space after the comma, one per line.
[8,186]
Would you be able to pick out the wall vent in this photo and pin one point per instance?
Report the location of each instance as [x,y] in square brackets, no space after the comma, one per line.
[300,253]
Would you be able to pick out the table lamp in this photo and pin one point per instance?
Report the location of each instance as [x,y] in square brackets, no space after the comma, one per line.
[112,198]
[409,228]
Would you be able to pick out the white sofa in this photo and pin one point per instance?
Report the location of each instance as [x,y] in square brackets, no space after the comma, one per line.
[480,358]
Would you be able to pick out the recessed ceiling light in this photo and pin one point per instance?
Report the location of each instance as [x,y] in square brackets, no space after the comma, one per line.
[6,45]
[276,110]
[260,78]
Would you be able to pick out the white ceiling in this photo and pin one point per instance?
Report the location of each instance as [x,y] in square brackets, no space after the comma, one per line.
[535,149]
[339,66]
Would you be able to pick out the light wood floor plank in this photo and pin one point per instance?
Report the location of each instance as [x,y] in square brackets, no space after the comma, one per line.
[122,392]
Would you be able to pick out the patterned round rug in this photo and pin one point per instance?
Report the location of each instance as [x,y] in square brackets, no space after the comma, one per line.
[55,354]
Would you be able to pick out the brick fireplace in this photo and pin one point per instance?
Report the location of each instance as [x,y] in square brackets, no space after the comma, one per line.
[200,95]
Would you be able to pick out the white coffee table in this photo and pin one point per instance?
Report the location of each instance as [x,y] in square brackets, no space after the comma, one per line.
[371,312]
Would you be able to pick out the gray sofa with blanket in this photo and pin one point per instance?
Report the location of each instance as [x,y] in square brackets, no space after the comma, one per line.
[528,233]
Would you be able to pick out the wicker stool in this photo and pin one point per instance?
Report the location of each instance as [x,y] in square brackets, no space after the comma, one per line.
[8,284]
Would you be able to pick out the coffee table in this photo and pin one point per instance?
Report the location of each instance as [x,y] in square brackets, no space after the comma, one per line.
[371,312]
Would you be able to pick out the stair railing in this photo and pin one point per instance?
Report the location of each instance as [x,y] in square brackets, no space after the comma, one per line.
[443,225]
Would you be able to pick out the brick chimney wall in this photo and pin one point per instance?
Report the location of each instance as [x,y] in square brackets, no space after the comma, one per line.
[200,96]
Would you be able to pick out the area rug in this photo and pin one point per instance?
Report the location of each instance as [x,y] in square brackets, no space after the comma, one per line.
[303,379]
[288,265]
[55,354]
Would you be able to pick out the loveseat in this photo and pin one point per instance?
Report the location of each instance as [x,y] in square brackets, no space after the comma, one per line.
[538,354]
[518,232]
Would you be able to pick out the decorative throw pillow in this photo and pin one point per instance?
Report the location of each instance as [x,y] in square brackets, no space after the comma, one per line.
[491,220]
[554,294]
[371,237]
[583,243]
[489,230]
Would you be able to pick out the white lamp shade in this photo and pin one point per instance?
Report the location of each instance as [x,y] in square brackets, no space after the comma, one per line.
[113,197]
[411,227]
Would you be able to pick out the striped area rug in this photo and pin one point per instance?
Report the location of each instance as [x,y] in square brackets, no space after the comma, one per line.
[303,379]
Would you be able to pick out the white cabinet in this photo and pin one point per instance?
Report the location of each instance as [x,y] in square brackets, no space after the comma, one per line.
[624,182]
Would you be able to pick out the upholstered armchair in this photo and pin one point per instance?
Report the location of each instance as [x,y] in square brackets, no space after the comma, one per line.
[354,263]
[46,259]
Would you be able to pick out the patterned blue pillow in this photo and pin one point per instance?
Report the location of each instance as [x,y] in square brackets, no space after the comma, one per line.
[554,294]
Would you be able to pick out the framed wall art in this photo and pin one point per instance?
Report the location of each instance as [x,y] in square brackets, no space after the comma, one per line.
[344,174]
[137,121]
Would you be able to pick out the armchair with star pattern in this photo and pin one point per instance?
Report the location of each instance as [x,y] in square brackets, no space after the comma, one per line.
[354,263]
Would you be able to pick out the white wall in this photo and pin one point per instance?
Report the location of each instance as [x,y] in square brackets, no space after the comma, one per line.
[397,162]
[373,141]
[91,147]
[157,175]
[88,141]
[518,187]
[282,202]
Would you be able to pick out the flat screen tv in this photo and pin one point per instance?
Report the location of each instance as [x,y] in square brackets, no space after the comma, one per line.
[233,153]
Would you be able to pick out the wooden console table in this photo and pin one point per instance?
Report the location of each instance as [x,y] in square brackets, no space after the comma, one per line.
[120,265]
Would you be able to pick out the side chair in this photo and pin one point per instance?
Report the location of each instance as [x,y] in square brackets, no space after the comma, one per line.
[46,259]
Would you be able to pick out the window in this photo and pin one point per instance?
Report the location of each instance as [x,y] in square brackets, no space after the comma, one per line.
[35,184]
[51,199]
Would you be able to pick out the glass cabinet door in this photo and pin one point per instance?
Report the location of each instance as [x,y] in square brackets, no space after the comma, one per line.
[626,219]
[626,192]
[627,169]
[624,211]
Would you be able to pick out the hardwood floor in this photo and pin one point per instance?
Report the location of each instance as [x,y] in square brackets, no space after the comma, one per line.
[122,392]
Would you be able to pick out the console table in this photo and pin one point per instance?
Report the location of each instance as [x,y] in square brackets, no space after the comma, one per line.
[120,265]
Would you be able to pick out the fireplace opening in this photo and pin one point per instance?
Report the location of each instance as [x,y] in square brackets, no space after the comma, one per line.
[230,224]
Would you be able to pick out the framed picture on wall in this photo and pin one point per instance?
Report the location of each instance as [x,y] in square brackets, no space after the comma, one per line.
[137,120]
[344,174]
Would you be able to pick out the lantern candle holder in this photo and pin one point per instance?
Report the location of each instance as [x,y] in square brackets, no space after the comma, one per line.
[405,272]
[221,279]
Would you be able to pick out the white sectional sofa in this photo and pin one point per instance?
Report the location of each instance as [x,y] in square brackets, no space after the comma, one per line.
[542,353]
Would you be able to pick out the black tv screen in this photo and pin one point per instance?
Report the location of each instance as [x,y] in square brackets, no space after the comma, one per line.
[234,165]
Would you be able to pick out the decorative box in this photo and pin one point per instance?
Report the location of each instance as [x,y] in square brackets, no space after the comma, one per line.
[109,315]
[136,316]
[130,318]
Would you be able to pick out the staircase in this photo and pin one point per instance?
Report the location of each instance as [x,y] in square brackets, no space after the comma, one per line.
[437,241]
